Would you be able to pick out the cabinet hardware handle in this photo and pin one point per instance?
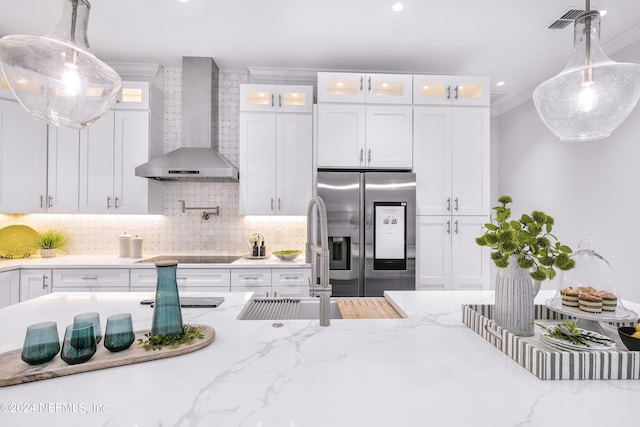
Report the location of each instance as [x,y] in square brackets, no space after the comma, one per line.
[247,278]
[449,204]
[266,294]
[90,278]
[273,101]
[369,156]
[449,227]
[456,202]
[50,203]
[361,83]
[279,100]
[456,226]
[448,92]
[275,294]
[369,84]
[279,204]
[456,96]
[41,202]
[117,205]
[108,202]
[272,203]
[44,281]
[361,155]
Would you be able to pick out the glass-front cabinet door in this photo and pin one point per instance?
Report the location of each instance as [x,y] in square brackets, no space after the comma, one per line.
[280,98]
[364,88]
[450,90]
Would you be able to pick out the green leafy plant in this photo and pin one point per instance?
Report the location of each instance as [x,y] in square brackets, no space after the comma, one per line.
[529,238]
[188,336]
[52,239]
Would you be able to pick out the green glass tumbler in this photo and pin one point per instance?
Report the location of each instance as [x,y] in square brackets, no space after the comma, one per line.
[167,315]
[119,334]
[79,343]
[94,319]
[41,343]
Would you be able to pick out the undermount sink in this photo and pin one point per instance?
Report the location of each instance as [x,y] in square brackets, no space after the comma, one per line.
[286,309]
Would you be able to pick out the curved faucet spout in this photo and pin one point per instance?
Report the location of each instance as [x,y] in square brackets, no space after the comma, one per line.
[321,250]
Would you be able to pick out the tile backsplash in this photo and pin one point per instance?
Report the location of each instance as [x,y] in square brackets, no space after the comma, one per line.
[176,232]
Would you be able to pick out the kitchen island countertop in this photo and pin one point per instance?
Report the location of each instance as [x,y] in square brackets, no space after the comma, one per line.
[427,369]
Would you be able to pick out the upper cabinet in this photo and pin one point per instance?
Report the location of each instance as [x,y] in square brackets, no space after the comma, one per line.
[450,90]
[110,150]
[276,153]
[364,121]
[23,160]
[50,169]
[364,88]
[451,151]
[276,98]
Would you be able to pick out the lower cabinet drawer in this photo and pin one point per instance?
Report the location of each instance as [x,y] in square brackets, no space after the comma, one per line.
[188,279]
[254,278]
[80,279]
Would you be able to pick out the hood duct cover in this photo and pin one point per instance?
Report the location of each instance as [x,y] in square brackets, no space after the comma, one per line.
[198,157]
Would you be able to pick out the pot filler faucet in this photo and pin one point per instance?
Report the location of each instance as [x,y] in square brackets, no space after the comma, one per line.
[313,251]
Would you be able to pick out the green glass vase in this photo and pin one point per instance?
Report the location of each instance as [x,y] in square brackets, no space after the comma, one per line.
[167,316]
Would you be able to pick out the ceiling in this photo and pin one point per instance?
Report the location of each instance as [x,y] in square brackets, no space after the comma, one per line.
[507,40]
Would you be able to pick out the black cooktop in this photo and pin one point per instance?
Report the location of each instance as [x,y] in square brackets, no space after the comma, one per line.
[195,259]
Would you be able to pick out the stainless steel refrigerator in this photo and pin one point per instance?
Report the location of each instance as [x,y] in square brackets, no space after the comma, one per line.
[371,220]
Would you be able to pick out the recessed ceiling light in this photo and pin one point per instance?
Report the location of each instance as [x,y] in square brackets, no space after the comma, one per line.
[183,1]
[397,7]
[500,83]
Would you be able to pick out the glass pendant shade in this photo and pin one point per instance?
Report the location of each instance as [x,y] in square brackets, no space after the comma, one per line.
[56,77]
[593,94]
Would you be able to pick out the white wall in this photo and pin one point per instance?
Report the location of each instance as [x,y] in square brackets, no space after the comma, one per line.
[592,189]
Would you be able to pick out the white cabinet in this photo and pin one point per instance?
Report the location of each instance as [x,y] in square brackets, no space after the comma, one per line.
[90,280]
[451,90]
[63,170]
[448,257]
[365,136]
[276,162]
[110,150]
[23,160]
[257,281]
[364,88]
[34,283]
[290,282]
[451,160]
[9,288]
[188,279]
[278,98]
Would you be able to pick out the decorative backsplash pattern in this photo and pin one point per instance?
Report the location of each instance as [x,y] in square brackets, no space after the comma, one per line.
[176,232]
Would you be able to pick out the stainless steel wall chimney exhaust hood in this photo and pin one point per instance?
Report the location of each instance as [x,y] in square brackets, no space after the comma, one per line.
[198,158]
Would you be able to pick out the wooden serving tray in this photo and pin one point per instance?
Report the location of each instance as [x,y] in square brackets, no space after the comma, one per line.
[13,370]
[366,308]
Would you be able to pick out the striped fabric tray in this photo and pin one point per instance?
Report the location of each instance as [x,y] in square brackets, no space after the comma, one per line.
[550,364]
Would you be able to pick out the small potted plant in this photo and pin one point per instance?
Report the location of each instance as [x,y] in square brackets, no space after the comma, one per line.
[50,241]
[525,253]
[529,239]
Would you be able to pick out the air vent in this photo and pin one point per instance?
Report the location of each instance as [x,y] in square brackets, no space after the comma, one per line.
[566,18]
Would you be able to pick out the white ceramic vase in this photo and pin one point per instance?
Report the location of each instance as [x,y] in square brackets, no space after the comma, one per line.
[515,290]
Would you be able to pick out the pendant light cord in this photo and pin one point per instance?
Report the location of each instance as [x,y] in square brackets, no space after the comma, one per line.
[587,29]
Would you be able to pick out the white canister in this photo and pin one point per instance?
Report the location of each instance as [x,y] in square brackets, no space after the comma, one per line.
[136,247]
[124,245]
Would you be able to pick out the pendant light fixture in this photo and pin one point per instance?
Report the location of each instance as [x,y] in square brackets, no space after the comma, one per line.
[593,94]
[56,77]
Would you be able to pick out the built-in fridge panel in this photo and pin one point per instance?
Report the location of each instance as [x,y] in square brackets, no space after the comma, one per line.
[371,227]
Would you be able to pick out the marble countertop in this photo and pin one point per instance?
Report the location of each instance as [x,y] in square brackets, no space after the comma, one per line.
[427,369]
[108,261]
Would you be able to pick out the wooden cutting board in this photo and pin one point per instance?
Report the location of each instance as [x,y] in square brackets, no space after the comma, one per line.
[367,308]
[14,371]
